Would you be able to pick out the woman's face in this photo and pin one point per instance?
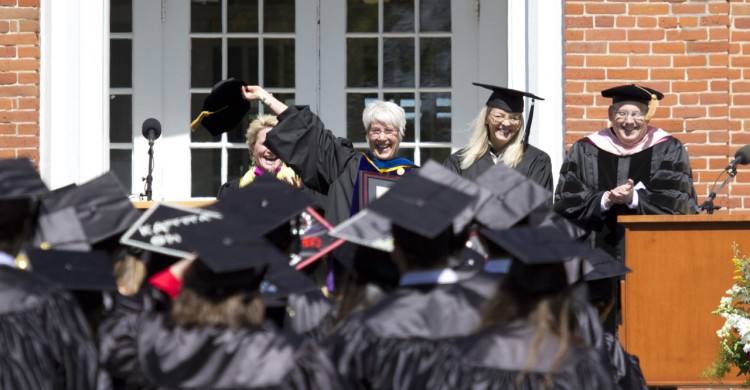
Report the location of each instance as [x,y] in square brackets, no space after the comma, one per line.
[502,126]
[263,157]
[628,121]
[383,140]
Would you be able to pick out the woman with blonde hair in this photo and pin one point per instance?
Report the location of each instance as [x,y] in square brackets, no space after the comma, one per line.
[497,138]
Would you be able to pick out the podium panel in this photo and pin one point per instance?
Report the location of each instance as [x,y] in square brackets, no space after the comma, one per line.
[681,268]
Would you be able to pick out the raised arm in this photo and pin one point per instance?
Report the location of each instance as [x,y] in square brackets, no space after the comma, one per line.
[254,92]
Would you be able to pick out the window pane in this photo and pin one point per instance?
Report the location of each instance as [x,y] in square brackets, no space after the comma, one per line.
[205,16]
[435,121]
[278,63]
[398,16]
[120,118]
[355,104]
[435,15]
[205,61]
[239,162]
[278,16]
[206,172]
[437,154]
[121,63]
[242,15]
[435,62]
[121,16]
[362,16]
[196,106]
[362,62]
[406,101]
[121,164]
[406,153]
[398,62]
[242,59]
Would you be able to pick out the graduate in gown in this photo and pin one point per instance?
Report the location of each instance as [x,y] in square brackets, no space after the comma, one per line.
[215,335]
[328,164]
[391,345]
[526,339]
[497,137]
[628,168]
[46,342]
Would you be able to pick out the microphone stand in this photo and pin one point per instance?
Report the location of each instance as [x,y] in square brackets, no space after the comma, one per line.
[149,178]
[708,205]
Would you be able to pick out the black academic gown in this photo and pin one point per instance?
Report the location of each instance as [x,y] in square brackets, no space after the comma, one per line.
[625,367]
[150,353]
[535,164]
[45,342]
[498,358]
[391,345]
[327,164]
[588,172]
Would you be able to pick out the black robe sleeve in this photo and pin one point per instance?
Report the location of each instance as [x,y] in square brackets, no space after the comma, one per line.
[670,190]
[537,166]
[625,367]
[301,140]
[453,162]
[576,196]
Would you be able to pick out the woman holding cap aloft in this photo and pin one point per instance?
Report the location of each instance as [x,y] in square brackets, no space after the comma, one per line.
[497,138]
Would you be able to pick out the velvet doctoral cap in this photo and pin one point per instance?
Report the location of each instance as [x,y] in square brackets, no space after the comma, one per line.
[223,108]
[637,93]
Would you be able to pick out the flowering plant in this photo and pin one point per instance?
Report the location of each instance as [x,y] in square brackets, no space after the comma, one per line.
[734,307]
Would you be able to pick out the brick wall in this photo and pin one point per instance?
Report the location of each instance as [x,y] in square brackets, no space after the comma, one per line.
[695,51]
[19,79]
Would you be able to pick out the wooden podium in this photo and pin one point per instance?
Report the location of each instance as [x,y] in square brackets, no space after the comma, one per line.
[681,268]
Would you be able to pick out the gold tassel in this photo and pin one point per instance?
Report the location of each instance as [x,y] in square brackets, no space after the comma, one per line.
[652,104]
[197,121]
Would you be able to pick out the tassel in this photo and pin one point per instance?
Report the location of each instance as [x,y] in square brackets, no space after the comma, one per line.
[197,121]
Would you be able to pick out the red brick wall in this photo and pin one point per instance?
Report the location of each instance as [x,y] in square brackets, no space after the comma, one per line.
[695,51]
[19,79]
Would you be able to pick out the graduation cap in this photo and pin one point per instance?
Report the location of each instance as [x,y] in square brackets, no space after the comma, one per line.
[60,229]
[632,92]
[511,100]
[545,260]
[101,205]
[421,206]
[366,228]
[19,179]
[368,264]
[266,203]
[514,196]
[223,108]
[604,265]
[544,216]
[74,270]
[156,229]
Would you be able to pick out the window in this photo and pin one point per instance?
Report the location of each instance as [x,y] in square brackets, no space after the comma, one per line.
[121,90]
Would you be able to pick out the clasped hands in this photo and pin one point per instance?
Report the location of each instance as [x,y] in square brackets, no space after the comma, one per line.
[622,194]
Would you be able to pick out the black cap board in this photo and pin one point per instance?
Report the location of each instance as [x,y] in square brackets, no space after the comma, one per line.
[510,100]
[61,229]
[632,92]
[604,265]
[223,108]
[19,179]
[514,196]
[367,264]
[366,228]
[421,206]
[74,270]
[101,205]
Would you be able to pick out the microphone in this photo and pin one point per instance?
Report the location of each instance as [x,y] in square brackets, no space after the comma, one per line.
[742,157]
[151,129]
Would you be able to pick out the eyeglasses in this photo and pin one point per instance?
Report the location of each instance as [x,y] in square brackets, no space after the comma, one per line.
[512,118]
[624,115]
[374,132]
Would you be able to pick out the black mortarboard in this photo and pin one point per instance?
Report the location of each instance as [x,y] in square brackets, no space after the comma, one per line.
[224,107]
[74,270]
[101,205]
[511,100]
[514,197]
[282,280]
[369,265]
[544,216]
[366,228]
[265,204]
[632,92]
[19,179]
[436,172]
[421,206]
[157,228]
[604,265]
[62,230]
[544,259]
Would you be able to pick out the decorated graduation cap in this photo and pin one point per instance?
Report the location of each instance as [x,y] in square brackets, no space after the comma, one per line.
[101,206]
[422,206]
[514,196]
[74,270]
[511,100]
[223,108]
[545,260]
[19,179]
[637,93]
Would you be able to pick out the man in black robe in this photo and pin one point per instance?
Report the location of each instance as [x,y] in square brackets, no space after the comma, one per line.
[46,342]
